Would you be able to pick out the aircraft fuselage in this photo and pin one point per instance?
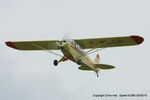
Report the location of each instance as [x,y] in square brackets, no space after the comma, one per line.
[73,53]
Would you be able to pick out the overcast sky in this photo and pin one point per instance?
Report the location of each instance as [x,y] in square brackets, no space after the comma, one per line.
[31,75]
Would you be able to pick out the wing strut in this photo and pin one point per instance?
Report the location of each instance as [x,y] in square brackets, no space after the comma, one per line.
[89,52]
[96,50]
[46,50]
[98,46]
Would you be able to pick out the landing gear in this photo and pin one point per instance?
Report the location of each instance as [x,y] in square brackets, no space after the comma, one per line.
[97,74]
[79,61]
[55,62]
[61,60]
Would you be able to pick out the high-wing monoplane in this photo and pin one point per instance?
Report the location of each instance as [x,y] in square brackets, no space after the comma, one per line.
[74,49]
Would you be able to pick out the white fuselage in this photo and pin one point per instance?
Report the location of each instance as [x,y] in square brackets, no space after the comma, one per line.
[73,52]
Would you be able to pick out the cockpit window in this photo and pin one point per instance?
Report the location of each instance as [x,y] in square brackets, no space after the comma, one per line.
[77,46]
[60,42]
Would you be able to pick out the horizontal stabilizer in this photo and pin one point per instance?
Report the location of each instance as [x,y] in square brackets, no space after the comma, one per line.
[84,68]
[104,66]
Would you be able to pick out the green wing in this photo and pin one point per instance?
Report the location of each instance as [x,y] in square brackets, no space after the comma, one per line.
[33,45]
[109,42]
[84,43]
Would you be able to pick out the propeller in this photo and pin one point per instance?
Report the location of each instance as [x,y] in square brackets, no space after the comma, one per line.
[67,36]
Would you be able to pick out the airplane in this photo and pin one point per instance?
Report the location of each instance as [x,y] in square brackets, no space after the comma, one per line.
[72,49]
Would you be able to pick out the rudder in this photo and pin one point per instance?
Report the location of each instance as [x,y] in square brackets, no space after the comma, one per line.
[97,59]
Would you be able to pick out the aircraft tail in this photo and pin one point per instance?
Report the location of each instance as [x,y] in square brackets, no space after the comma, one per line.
[101,66]
[97,59]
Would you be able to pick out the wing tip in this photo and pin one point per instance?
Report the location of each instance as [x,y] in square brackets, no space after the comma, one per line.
[10,44]
[137,39]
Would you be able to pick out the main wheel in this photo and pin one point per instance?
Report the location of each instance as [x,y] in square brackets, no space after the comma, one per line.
[79,61]
[55,62]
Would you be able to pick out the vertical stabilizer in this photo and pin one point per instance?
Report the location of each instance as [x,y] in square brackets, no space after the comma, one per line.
[97,59]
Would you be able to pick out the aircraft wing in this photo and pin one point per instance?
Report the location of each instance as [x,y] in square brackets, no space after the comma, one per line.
[109,42]
[33,45]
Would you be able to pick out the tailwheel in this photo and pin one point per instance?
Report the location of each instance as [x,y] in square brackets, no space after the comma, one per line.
[55,62]
[97,74]
[79,61]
